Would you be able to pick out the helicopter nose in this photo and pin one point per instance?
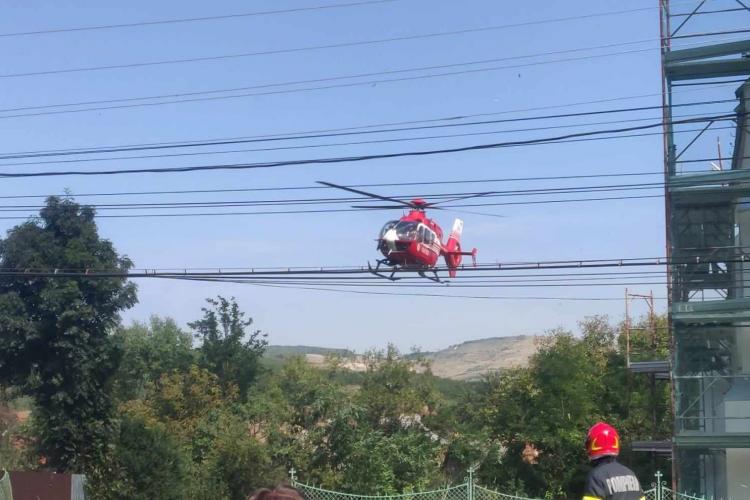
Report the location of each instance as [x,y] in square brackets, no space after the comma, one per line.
[390,235]
[390,238]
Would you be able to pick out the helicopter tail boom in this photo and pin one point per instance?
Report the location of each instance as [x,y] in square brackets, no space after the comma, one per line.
[452,250]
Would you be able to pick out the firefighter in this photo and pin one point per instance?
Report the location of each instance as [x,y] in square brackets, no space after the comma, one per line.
[608,479]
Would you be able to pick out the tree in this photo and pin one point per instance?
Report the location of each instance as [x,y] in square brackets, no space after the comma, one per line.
[381,442]
[293,415]
[180,401]
[150,351]
[239,462]
[403,461]
[393,387]
[227,348]
[226,461]
[146,462]
[54,332]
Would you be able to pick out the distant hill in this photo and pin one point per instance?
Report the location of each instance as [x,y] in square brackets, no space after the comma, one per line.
[466,361]
[286,351]
[278,354]
[470,360]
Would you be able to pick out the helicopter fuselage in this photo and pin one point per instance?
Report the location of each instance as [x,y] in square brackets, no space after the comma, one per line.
[413,241]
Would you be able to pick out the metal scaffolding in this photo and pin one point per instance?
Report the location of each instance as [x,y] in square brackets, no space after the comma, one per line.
[646,355]
[705,63]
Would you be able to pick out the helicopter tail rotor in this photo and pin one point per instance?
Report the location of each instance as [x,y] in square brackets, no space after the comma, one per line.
[452,250]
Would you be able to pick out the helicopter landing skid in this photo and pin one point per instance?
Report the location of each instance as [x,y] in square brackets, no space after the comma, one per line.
[434,278]
[376,270]
[394,269]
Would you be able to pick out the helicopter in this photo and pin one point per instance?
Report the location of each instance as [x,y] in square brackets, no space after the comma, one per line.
[415,242]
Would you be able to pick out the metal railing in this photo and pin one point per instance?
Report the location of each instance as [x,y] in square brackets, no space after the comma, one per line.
[466,491]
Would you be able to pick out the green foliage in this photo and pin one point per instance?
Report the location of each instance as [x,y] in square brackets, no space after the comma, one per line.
[150,351]
[54,337]
[239,462]
[381,444]
[389,463]
[181,400]
[570,383]
[227,348]
[146,462]
[14,439]
[392,387]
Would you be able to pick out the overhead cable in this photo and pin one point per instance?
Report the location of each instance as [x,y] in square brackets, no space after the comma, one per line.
[360,158]
[620,263]
[340,144]
[317,133]
[189,19]
[322,87]
[335,45]
[346,132]
[425,294]
[305,9]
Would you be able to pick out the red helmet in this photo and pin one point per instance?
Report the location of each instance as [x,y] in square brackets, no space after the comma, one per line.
[602,441]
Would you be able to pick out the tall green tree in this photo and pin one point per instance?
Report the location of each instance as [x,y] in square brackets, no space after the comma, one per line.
[395,386]
[151,350]
[146,462]
[55,342]
[229,348]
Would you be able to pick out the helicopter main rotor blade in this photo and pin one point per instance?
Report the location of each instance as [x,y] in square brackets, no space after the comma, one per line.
[475,195]
[470,212]
[365,193]
[380,207]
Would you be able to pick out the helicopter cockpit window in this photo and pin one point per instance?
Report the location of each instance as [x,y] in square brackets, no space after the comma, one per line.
[388,225]
[406,230]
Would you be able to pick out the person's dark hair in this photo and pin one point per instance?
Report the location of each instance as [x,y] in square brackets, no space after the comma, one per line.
[281,492]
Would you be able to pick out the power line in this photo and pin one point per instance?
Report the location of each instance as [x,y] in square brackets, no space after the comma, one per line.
[322,87]
[319,80]
[452,208]
[314,133]
[620,263]
[333,78]
[346,200]
[338,144]
[295,10]
[457,282]
[319,187]
[423,294]
[329,46]
[334,270]
[473,278]
[347,131]
[321,47]
[339,201]
[360,158]
[384,284]
[326,87]
[188,19]
[482,297]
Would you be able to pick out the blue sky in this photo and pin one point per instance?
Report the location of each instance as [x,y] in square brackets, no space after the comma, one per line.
[609,229]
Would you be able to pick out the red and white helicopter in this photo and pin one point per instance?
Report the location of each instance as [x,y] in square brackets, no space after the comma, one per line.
[415,242]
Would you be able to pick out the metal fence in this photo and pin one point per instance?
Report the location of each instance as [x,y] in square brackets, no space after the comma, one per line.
[659,491]
[466,491]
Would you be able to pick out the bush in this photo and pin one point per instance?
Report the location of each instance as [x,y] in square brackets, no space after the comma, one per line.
[145,463]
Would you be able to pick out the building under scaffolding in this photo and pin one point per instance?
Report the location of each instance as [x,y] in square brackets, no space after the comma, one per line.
[705,65]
